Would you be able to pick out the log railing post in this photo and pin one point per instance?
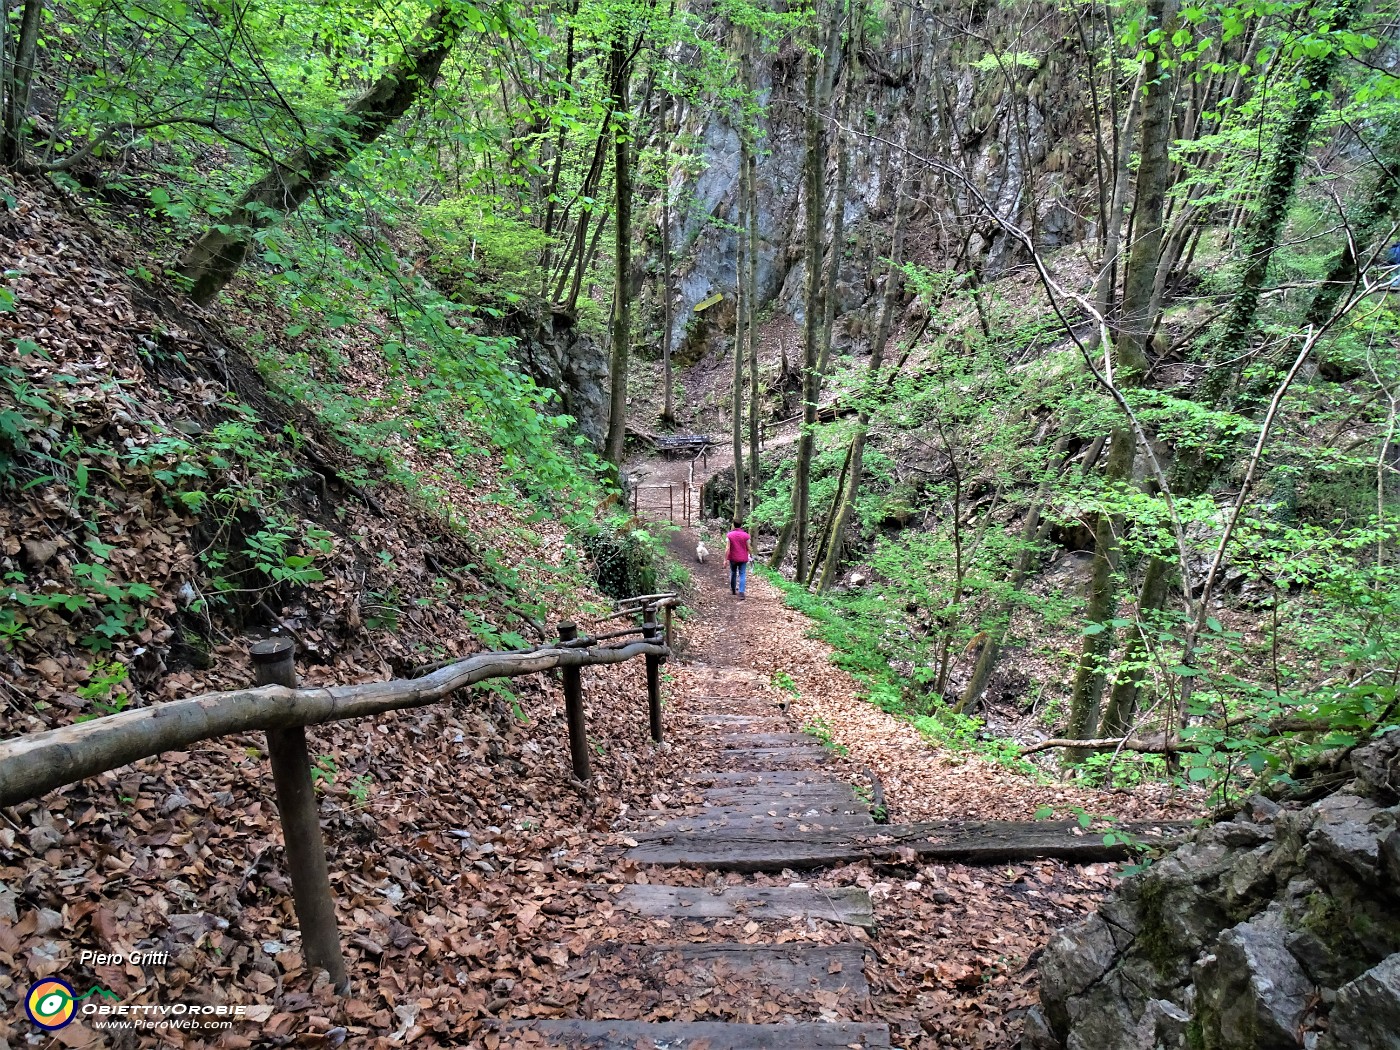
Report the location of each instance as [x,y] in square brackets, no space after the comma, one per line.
[573,711]
[650,633]
[274,663]
[666,616]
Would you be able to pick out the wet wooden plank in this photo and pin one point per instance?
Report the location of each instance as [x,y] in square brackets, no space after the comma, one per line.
[849,905]
[964,842]
[706,1035]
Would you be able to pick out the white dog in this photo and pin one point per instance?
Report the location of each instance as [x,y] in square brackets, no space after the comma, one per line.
[702,553]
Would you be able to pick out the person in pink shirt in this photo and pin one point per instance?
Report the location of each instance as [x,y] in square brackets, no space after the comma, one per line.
[736,552]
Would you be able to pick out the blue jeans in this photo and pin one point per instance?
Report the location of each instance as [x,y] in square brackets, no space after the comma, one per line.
[738,576]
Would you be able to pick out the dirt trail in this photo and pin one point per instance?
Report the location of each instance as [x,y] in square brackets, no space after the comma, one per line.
[728,926]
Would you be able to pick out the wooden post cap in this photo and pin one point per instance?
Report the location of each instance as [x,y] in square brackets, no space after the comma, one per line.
[568,632]
[273,650]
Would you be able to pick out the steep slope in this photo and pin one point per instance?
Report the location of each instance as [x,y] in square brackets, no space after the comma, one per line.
[165,507]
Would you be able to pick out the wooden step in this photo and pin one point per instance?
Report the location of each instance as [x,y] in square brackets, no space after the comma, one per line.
[688,970]
[737,720]
[706,1035]
[963,842]
[767,758]
[846,904]
[811,807]
[752,778]
[821,793]
[750,822]
[767,739]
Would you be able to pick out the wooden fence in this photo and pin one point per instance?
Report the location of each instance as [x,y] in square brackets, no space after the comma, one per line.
[39,762]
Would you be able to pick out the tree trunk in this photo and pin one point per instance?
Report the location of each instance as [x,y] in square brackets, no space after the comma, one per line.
[668,381]
[1032,530]
[741,302]
[847,495]
[837,502]
[1123,699]
[16,82]
[1274,196]
[752,280]
[814,167]
[837,247]
[217,256]
[1373,217]
[1130,362]
[620,73]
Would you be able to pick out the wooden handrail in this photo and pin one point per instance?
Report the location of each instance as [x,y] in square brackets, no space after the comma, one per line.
[38,762]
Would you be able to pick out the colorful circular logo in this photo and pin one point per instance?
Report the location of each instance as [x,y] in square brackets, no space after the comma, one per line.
[50,1003]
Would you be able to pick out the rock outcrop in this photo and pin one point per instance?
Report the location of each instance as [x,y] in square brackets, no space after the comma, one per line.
[1277,929]
[1019,131]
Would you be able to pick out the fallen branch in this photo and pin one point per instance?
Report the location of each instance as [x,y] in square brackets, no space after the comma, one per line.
[1159,745]
[1118,743]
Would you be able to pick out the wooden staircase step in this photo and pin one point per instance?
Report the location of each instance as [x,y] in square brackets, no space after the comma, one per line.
[849,905]
[705,1035]
[767,758]
[685,970]
[822,793]
[963,842]
[767,721]
[761,778]
[749,821]
[766,739]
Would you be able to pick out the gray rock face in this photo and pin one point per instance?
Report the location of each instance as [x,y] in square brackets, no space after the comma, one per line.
[575,367]
[1016,149]
[1367,1011]
[1275,930]
[1250,990]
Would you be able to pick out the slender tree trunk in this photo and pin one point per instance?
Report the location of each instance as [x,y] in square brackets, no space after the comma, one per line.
[846,496]
[752,280]
[620,74]
[736,426]
[825,539]
[1274,196]
[16,81]
[837,247]
[1032,532]
[1372,218]
[668,379]
[213,260]
[1130,361]
[1123,699]
[813,169]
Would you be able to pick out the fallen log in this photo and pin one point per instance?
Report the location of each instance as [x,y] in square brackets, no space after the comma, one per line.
[961,842]
[31,765]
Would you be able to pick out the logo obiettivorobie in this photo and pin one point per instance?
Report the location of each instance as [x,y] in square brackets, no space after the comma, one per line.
[51,1003]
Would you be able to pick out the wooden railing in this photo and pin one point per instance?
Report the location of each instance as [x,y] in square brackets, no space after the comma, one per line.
[39,762]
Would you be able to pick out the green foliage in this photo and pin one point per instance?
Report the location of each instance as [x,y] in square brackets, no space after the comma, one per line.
[784,681]
[105,690]
[821,729]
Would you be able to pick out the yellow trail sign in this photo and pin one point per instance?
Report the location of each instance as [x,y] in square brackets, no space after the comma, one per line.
[705,304]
